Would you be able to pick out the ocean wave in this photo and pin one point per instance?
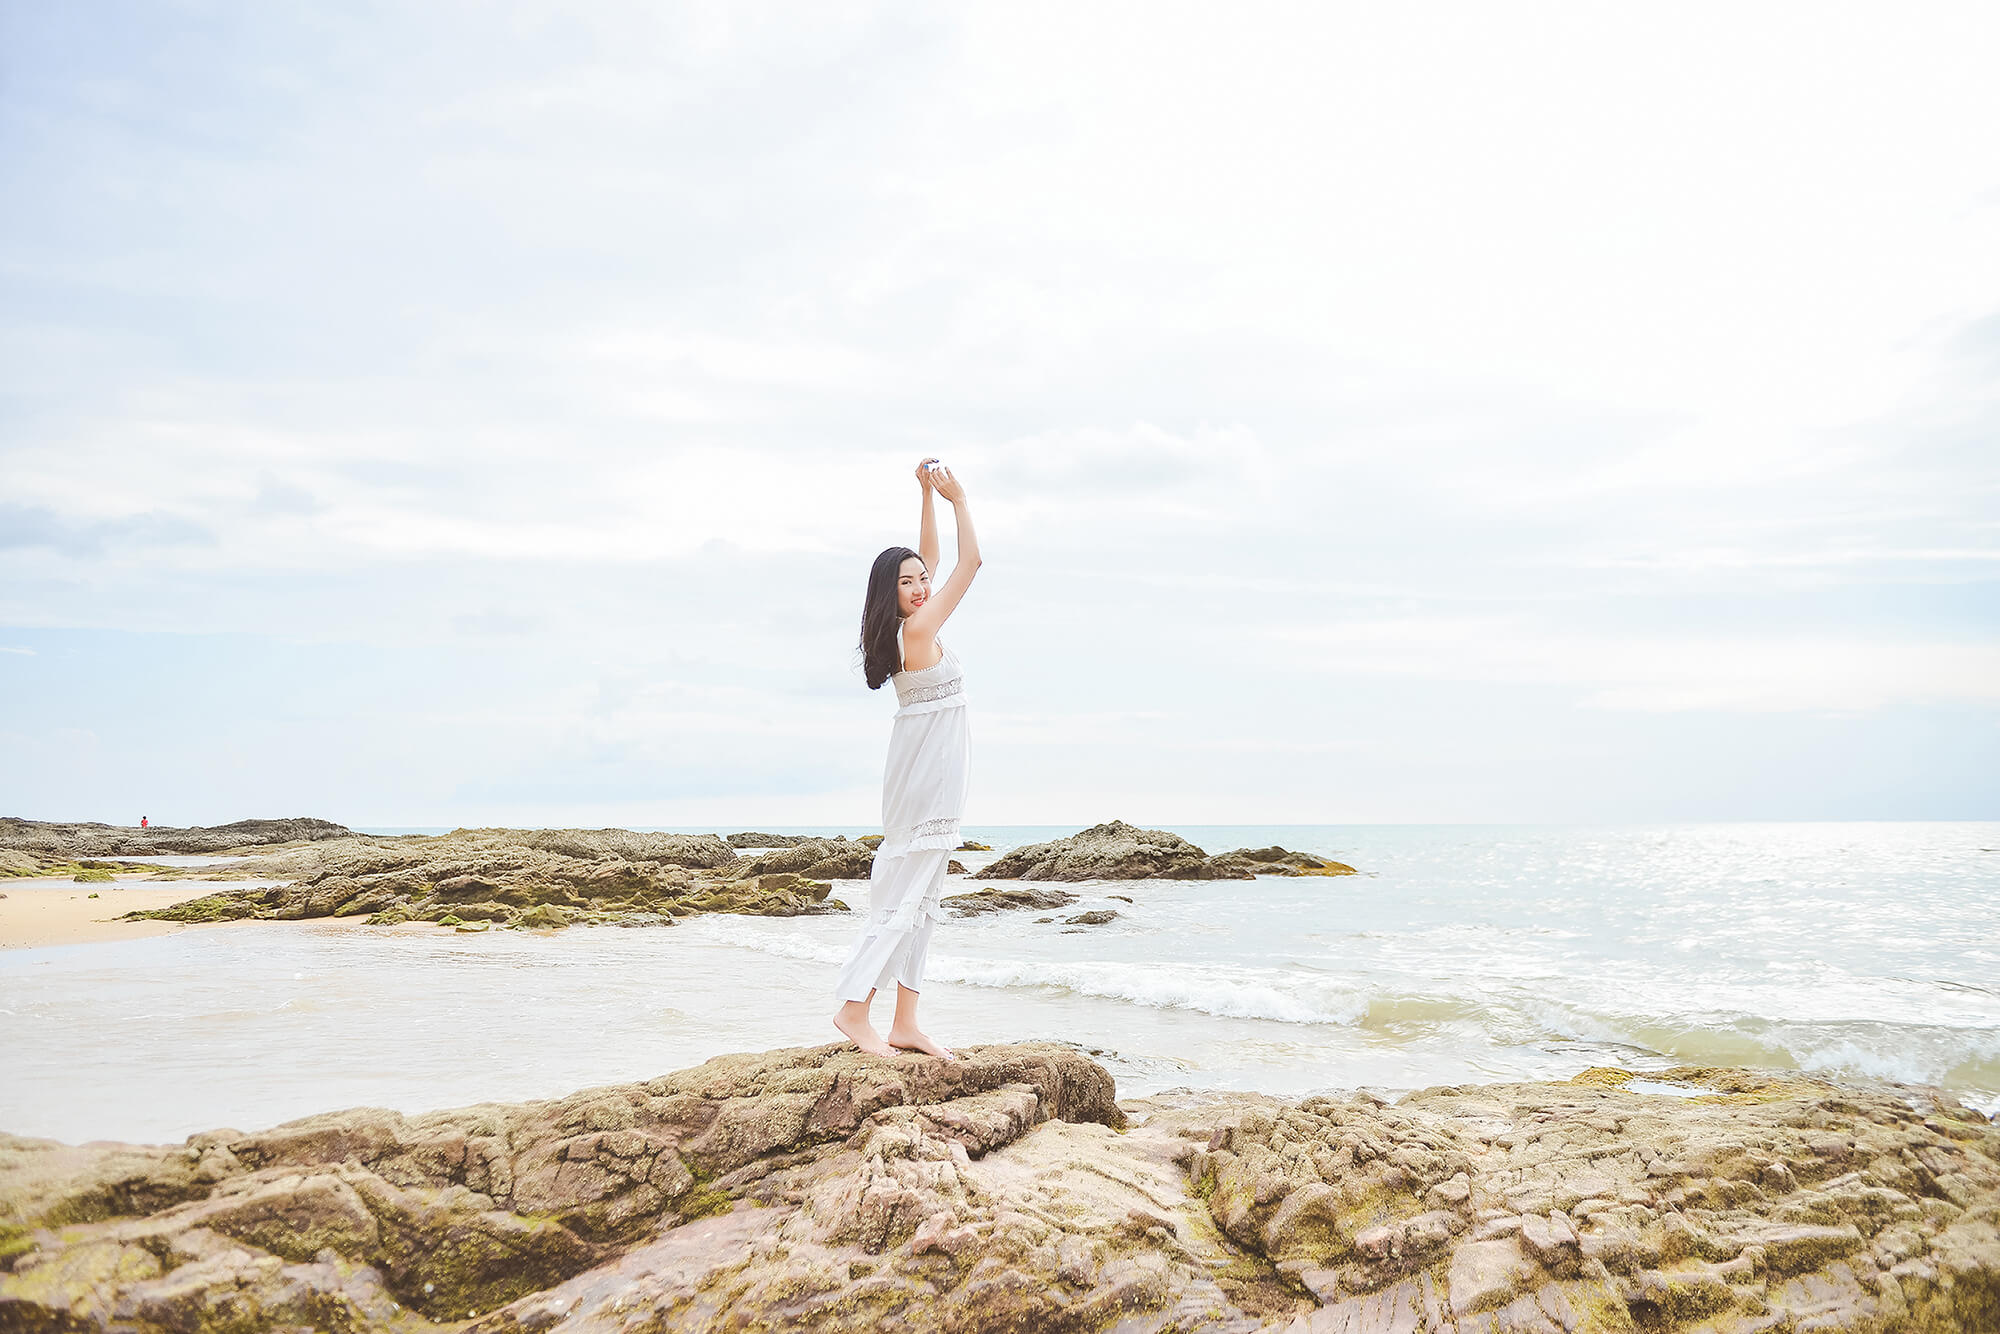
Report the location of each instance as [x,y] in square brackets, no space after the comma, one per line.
[1290,996]
[1965,1059]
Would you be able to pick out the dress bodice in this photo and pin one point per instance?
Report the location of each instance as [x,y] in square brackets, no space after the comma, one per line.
[942,681]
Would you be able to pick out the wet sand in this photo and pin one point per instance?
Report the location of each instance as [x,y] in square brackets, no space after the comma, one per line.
[36,911]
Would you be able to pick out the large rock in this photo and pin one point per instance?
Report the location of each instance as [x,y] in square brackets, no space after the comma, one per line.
[473,878]
[1250,862]
[993,899]
[1119,851]
[74,841]
[753,839]
[1113,851]
[453,1213]
[816,1188]
[1766,1204]
[821,858]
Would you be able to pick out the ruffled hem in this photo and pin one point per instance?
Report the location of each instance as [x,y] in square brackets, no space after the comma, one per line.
[894,921]
[939,835]
[931,706]
[928,843]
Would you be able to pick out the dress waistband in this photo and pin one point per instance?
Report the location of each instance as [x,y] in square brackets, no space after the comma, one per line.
[938,695]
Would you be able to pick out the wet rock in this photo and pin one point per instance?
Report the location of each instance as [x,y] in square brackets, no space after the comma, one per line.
[1004,900]
[540,878]
[1096,917]
[1245,863]
[749,839]
[70,841]
[1119,851]
[1113,851]
[820,858]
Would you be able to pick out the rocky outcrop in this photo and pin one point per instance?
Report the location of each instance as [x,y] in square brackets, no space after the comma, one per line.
[14,863]
[1759,1204]
[1119,851]
[752,839]
[509,1213]
[820,1189]
[821,858]
[1246,863]
[1003,900]
[76,841]
[477,878]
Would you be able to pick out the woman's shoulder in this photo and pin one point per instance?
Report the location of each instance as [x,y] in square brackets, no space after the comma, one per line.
[944,656]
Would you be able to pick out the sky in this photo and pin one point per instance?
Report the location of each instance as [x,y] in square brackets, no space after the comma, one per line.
[487,414]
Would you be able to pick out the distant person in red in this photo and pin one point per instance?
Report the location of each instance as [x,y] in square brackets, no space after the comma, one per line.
[142,822]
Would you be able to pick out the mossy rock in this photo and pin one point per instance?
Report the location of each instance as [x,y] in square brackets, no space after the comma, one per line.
[14,1240]
[93,876]
[228,906]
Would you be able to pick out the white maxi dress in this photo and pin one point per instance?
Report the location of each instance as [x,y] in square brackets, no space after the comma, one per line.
[923,797]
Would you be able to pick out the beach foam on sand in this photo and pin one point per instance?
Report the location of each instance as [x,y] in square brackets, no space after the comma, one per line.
[49,910]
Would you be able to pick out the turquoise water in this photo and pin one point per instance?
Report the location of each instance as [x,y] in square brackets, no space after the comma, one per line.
[1461,954]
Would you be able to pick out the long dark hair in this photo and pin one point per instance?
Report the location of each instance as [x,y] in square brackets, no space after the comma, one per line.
[880,614]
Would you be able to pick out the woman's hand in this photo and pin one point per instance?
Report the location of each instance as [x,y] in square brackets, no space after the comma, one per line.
[924,473]
[947,485]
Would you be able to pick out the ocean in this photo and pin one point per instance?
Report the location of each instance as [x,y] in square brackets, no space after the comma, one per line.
[1460,954]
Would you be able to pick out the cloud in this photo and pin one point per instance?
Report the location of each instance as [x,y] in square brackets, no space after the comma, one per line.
[1650,672]
[23,526]
[587,355]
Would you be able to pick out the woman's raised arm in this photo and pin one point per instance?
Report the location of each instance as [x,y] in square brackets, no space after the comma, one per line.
[927,539]
[922,624]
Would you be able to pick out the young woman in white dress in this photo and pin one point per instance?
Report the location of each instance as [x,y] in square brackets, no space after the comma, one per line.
[923,784]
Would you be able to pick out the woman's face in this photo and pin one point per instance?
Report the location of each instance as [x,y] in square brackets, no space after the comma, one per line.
[913,585]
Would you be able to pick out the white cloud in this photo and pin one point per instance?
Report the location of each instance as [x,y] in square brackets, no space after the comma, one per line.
[1653,672]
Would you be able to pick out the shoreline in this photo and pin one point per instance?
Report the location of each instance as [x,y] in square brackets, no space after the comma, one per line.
[38,912]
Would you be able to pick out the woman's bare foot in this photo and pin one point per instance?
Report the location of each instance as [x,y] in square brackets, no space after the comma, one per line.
[911,1040]
[856,1029]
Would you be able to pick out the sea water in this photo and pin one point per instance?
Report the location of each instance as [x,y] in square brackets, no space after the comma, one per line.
[1460,954]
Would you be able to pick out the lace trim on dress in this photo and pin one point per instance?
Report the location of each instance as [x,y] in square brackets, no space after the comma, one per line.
[932,706]
[925,694]
[927,836]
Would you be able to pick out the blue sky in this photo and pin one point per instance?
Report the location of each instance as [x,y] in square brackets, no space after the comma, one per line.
[456,414]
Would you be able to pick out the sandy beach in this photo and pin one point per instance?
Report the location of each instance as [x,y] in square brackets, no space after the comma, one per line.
[37,911]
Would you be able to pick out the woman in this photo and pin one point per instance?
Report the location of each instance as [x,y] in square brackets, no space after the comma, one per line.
[923,788]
